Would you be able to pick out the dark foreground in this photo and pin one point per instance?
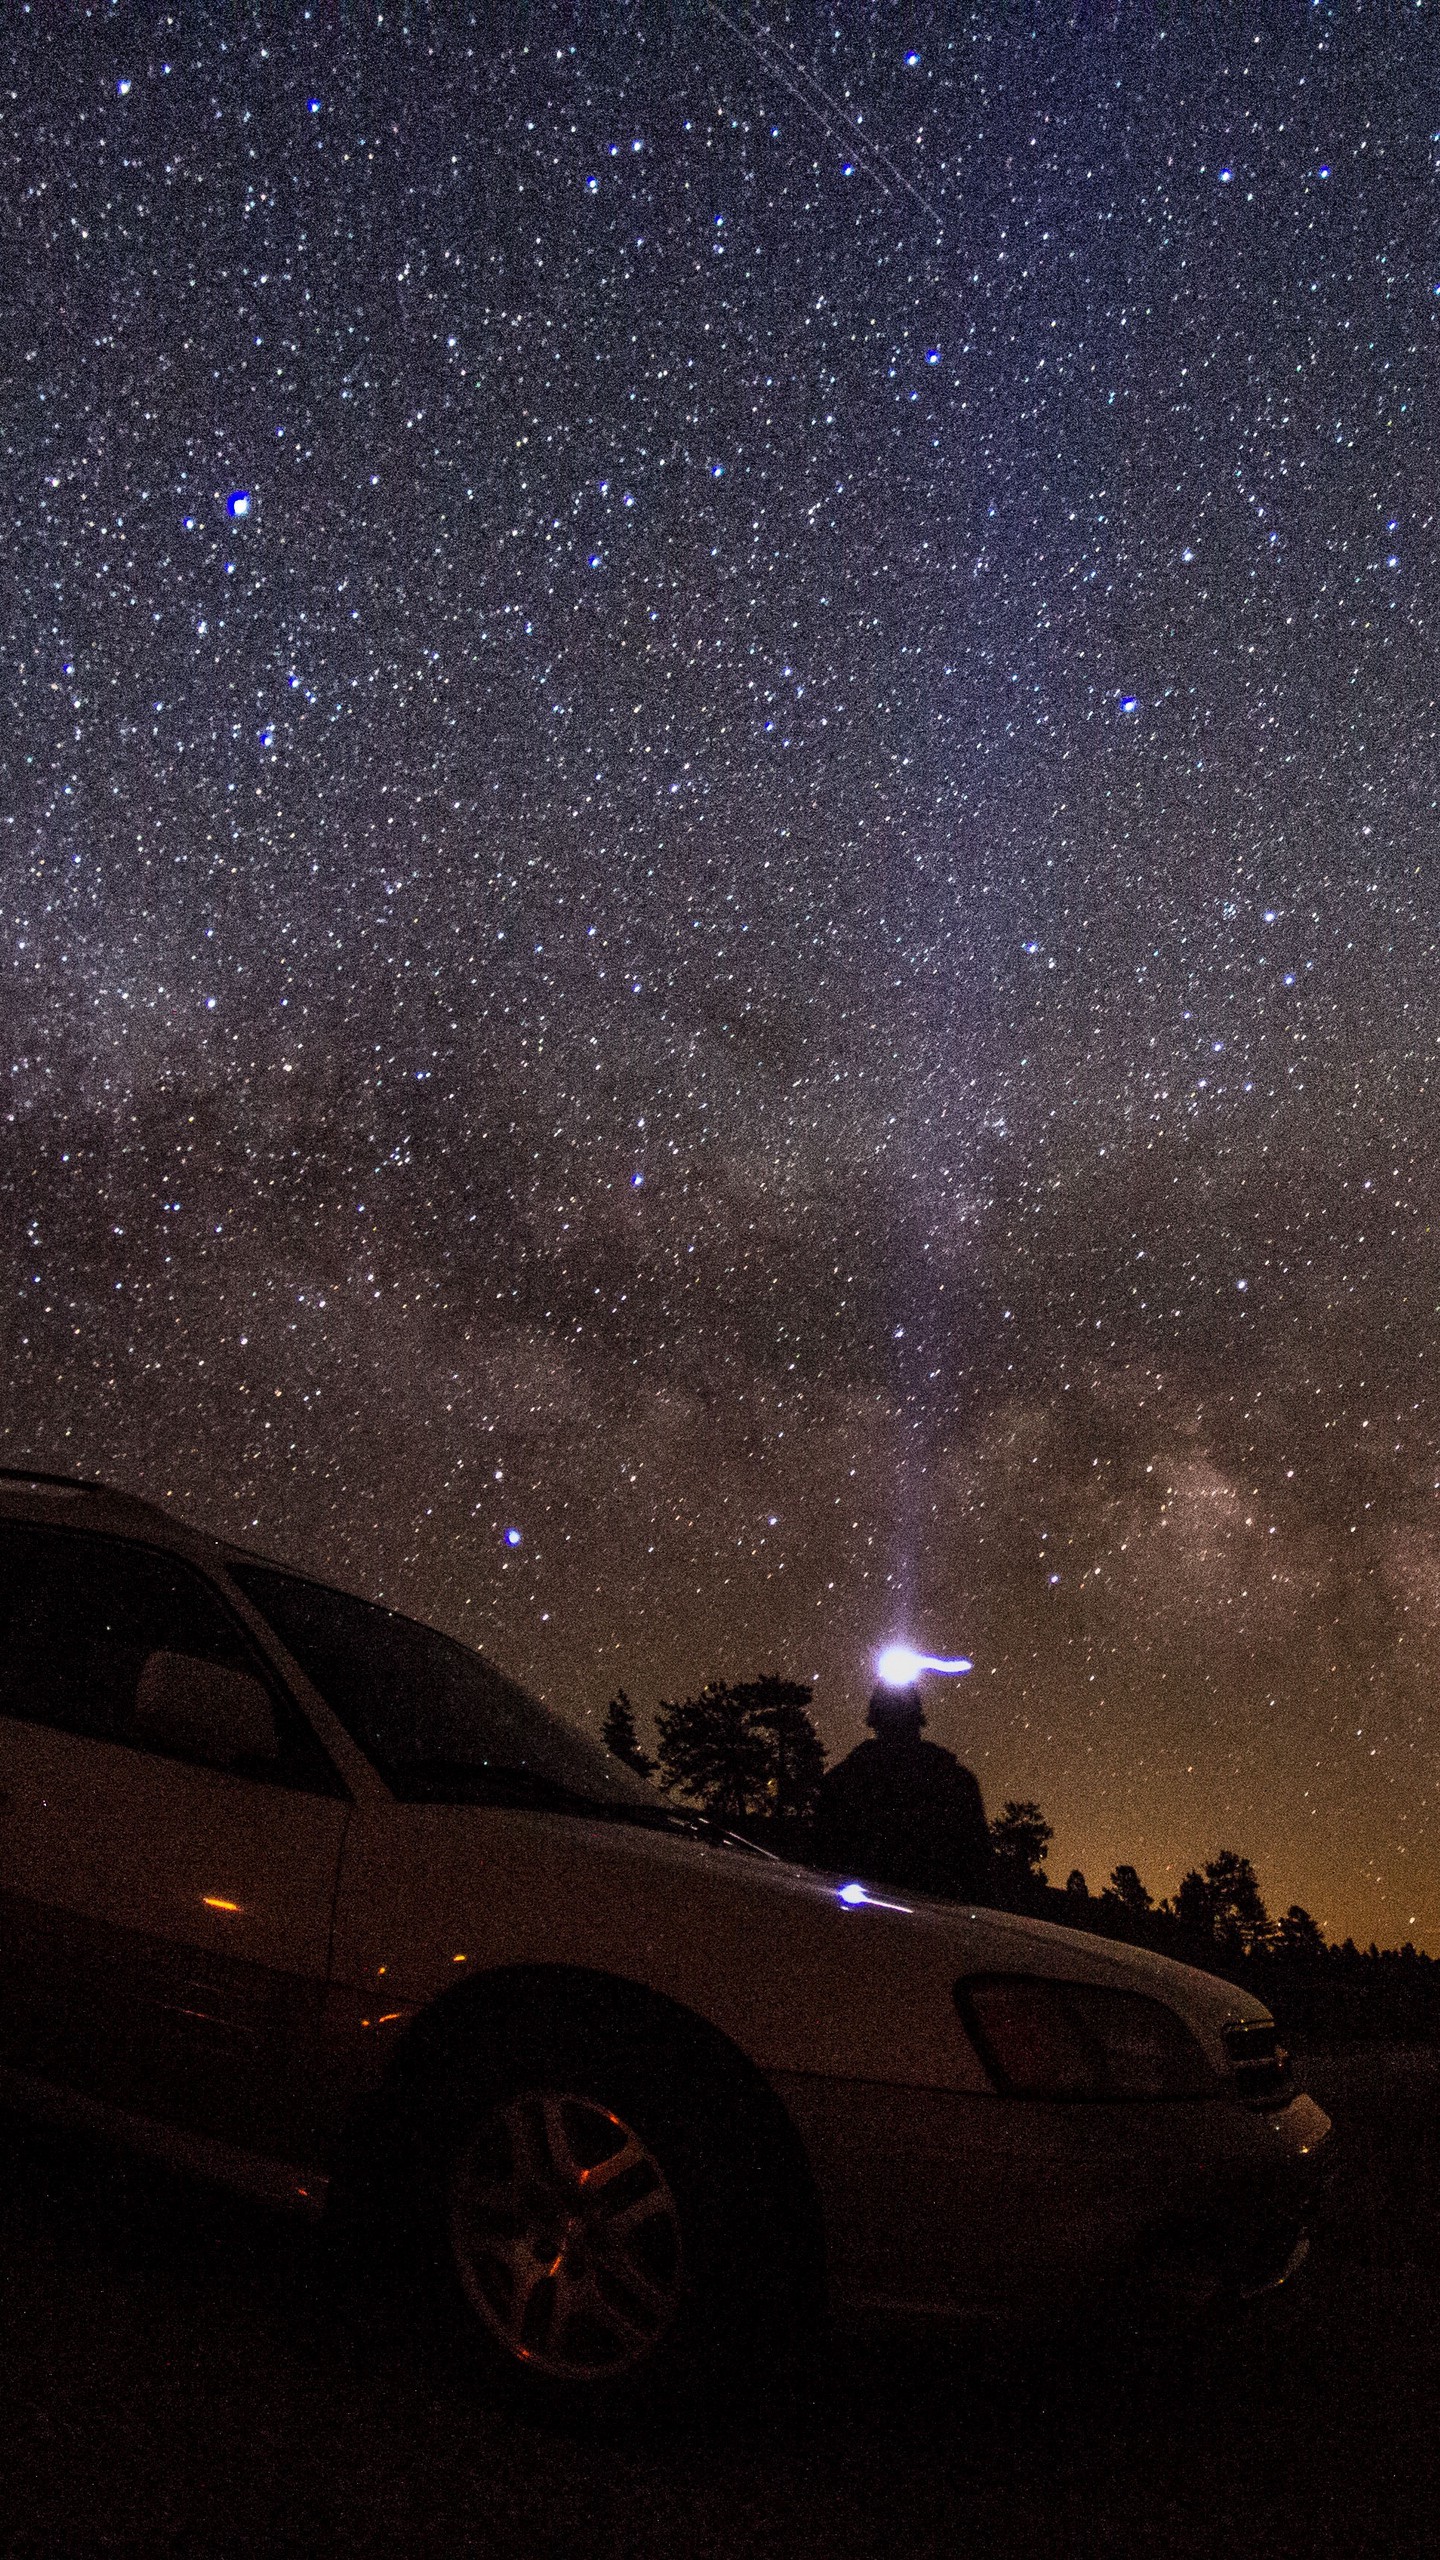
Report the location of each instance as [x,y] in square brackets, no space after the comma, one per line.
[167,2386]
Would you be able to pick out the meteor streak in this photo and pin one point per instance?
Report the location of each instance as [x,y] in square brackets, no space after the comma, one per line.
[899,1664]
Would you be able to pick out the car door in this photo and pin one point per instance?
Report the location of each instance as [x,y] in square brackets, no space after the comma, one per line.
[170,1837]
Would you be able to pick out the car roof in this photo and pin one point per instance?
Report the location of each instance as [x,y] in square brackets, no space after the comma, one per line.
[82,1502]
[76,1502]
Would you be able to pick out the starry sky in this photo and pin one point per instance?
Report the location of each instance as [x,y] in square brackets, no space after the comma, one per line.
[718,903]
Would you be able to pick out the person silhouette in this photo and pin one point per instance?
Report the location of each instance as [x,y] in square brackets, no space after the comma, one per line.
[901,1811]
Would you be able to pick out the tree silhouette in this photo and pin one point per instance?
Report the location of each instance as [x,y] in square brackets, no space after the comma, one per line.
[742,1748]
[780,1708]
[621,1737]
[1021,1836]
[1076,1886]
[1296,1934]
[1126,1888]
[1222,1902]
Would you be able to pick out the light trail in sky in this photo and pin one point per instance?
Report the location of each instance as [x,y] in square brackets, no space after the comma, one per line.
[806,90]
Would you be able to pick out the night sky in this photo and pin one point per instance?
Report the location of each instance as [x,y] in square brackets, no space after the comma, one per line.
[718,861]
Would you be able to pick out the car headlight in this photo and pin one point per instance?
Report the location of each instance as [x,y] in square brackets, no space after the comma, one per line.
[1040,2038]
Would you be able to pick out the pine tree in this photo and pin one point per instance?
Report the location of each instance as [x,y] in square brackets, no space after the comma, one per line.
[780,1709]
[621,1737]
[1021,1837]
[1126,1888]
[1296,1934]
[1222,1902]
[742,1749]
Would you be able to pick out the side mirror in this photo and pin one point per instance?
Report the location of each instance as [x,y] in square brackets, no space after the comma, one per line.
[184,1704]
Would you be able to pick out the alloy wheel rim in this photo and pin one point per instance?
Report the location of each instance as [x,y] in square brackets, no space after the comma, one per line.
[566,2236]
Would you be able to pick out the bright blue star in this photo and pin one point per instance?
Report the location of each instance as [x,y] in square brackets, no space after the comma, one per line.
[238,502]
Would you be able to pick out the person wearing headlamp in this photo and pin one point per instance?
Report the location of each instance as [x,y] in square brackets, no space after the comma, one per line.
[904,1812]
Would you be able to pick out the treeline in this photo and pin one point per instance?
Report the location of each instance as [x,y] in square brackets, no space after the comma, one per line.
[1218,1920]
[746,1753]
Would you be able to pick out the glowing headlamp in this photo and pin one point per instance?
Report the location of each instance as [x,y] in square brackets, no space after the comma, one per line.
[899,1666]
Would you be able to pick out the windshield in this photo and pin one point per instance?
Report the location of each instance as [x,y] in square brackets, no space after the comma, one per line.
[437,1720]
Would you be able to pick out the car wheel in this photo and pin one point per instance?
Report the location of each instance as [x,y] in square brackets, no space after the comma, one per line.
[606,2226]
[567,2236]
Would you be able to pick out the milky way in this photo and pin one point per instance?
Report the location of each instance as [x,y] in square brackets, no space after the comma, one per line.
[718,860]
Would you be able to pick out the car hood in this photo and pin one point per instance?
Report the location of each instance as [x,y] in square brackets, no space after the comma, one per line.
[801,1974]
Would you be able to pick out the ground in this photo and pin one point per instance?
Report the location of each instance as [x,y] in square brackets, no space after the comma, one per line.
[169,2387]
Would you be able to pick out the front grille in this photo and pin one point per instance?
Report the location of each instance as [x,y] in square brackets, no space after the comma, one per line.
[1259,2064]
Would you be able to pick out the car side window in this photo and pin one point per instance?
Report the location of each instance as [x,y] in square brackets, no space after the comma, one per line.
[127,1644]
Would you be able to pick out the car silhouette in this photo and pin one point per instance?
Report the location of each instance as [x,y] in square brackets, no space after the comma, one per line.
[300,1894]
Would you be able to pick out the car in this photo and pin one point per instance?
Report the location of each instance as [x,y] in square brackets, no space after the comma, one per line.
[301,1894]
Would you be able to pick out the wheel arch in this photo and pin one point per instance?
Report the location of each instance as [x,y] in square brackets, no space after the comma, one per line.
[516,2003]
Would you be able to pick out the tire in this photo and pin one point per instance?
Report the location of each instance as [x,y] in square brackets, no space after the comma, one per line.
[599,2222]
